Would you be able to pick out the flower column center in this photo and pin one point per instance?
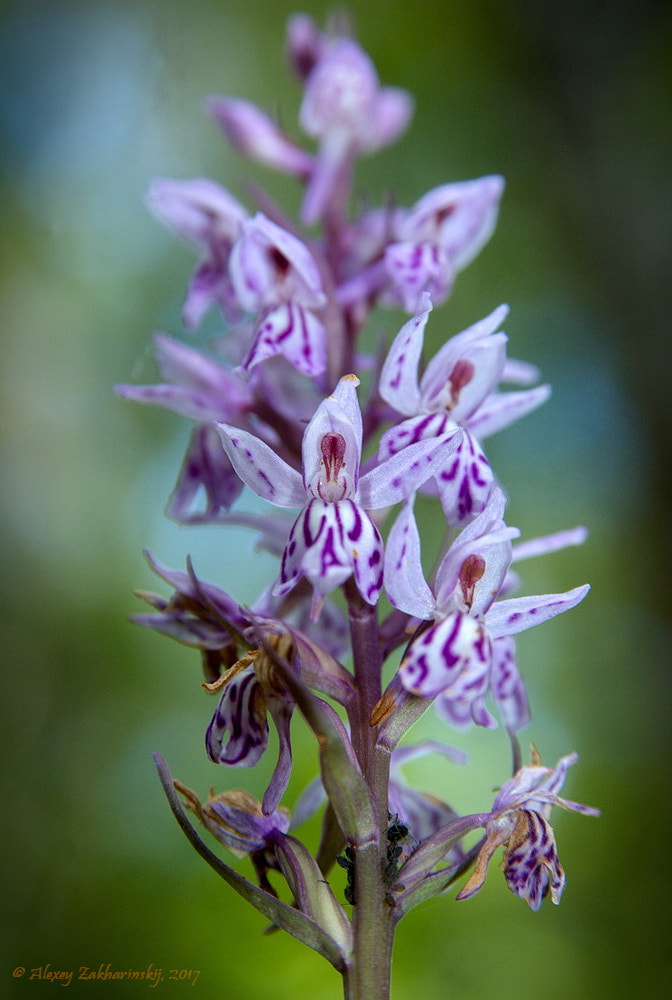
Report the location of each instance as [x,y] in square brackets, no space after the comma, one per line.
[471,572]
[332,486]
[461,375]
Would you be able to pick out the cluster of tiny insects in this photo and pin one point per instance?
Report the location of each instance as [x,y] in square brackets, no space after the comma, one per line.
[397,832]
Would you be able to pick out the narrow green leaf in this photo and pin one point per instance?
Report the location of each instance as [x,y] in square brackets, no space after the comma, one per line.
[293,921]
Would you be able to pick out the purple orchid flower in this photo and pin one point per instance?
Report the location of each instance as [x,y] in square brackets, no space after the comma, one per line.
[439,237]
[398,253]
[333,536]
[207,217]
[237,819]
[455,656]
[197,387]
[275,276]
[346,109]
[519,821]
[456,389]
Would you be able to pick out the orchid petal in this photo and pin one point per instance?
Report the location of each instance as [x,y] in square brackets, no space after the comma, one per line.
[218,603]
[210,285]
[256,135]
[466,482]
[507,686]
[392,113]
[238,714]
[187,402]
[328,543]
[277,786]
[261,469]
[486,536]
[269,265]
[549,543]
[416,751]
[531,865]
[519,613]
[198,210]
[366,551]
[294,332]
[461,216]
[452,656]
[405,583]
[345,395]
[519,372]
[185,366]
[237,821]
[424,427]
[199,388]
[503,408]
[398,384]
[337,414]
[206,469]
[415,267]
[402,474]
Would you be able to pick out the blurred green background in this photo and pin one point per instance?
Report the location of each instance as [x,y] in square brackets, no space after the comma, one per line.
[571,102]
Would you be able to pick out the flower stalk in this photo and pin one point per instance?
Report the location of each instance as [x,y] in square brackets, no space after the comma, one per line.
[281,411]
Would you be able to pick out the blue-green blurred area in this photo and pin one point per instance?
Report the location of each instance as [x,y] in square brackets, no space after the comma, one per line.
[571,103]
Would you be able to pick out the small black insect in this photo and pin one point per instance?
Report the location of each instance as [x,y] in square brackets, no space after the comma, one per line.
[396,833]
[347,861]
[397,830]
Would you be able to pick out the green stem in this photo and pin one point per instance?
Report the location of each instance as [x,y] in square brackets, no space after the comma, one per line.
[367,664]
[368,977]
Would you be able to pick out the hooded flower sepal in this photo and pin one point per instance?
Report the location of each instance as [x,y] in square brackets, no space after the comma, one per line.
[275,276]
[422,248]
[439,236]
[519,822]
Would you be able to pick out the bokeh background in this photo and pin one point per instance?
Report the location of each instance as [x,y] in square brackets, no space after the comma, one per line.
[571,102]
